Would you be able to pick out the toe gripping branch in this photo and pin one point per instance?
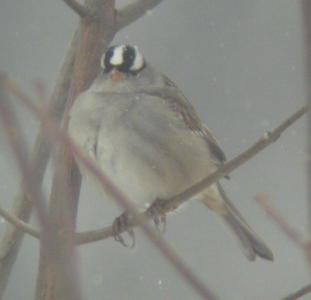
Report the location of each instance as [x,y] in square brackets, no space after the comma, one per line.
[121,223]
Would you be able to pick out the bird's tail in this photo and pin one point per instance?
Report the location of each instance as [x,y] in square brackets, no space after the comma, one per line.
[250,243]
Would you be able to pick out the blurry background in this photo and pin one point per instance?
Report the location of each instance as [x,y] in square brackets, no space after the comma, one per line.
[241,65]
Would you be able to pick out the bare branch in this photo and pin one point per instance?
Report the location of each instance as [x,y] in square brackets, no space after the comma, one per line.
[306,19]
[19,224]
[301,292]
[80,9]
[176,201]
[94,36]
[131,12]
[267,139]
[55,133]
[279,220]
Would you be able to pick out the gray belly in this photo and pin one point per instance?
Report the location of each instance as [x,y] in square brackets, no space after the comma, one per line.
[150,155]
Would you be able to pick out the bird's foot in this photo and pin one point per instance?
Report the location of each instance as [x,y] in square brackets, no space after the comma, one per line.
[156,212]
[119,226]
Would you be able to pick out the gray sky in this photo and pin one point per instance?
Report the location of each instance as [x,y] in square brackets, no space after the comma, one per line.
[241,64]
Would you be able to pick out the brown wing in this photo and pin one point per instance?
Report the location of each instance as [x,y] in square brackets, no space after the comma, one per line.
[194,123]
[215,148]
[182,106]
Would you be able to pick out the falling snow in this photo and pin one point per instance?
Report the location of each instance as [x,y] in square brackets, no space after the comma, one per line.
[160,283]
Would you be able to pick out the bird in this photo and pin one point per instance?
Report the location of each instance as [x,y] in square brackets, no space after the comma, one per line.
[136,125]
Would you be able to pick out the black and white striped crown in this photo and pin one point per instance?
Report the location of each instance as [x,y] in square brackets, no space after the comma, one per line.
[124,58]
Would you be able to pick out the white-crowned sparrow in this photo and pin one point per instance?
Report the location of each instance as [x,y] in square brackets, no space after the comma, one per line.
[146,136]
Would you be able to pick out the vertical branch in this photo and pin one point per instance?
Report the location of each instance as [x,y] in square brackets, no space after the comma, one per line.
[95,34]
[306,12]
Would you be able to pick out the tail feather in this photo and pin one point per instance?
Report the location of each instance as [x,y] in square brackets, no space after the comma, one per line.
[250,243]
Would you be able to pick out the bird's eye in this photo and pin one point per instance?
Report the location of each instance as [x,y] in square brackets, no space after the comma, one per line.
[125,58]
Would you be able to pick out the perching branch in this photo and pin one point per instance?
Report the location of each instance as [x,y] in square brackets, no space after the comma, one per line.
[56,134]
[173,203]
[80,9]
[131,12]
[264,141]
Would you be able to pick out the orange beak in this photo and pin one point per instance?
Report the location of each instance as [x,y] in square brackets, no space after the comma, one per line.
[116,75]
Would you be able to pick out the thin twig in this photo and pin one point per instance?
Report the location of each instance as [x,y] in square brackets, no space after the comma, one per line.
[131,12]
[279,220]
[80,9]
[306,18]
[292,234]
[55,133]
[301,292]
[173,203]
[17,143]
[19,224]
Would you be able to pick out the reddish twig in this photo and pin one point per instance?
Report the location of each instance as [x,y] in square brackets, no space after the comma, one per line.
[279,220]
[292,234]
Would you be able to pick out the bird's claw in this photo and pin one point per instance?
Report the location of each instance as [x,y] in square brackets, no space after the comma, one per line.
[158,215]
[120,224]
